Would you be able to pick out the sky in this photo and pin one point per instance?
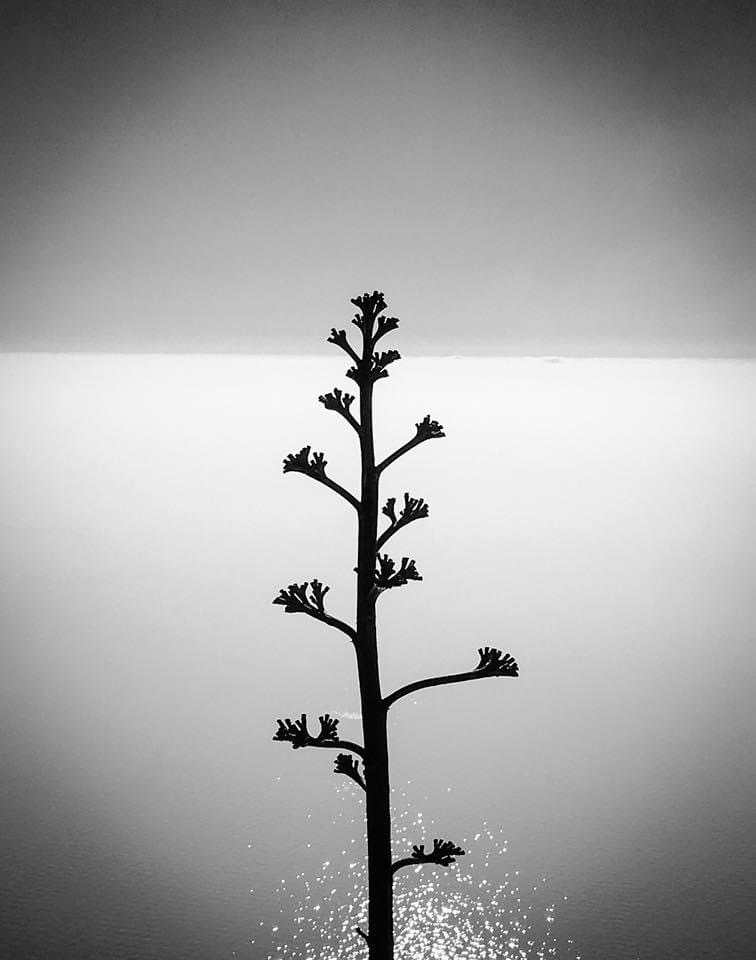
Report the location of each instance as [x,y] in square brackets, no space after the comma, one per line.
[518,178]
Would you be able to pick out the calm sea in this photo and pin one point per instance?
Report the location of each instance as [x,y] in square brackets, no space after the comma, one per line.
[595,518]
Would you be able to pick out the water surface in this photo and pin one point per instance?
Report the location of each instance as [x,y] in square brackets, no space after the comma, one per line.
[594,518]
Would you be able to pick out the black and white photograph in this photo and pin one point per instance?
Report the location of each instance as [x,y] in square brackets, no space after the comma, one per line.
[278,280]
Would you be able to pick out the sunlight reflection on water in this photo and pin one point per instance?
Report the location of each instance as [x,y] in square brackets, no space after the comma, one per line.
[455,914]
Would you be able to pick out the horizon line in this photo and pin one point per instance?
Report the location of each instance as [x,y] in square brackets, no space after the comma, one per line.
[546,357]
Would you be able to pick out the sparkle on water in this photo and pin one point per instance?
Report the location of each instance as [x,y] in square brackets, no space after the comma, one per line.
[439,914]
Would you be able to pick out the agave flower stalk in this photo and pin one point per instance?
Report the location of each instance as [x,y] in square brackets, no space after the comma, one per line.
[367,764]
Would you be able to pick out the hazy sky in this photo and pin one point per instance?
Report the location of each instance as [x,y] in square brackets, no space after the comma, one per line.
[520,177]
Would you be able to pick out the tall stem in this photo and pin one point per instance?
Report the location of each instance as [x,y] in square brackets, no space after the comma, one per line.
[374,713]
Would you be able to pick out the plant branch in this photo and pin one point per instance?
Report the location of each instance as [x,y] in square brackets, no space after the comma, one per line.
[296,599]
[315,468]
[373,368]
[369,306]
[350,767]
[492,664]
[296,733]
[384,325]
[340,402]
[413,509]
[339,337]
[369,321]
[372,325]
[443,853]
[387,576]
[427,429]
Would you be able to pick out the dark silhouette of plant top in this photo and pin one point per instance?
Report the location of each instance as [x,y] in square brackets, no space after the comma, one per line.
[368,765]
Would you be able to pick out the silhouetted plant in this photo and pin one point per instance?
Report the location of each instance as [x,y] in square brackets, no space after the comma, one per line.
[443,853]
[376,573]
[345,763]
